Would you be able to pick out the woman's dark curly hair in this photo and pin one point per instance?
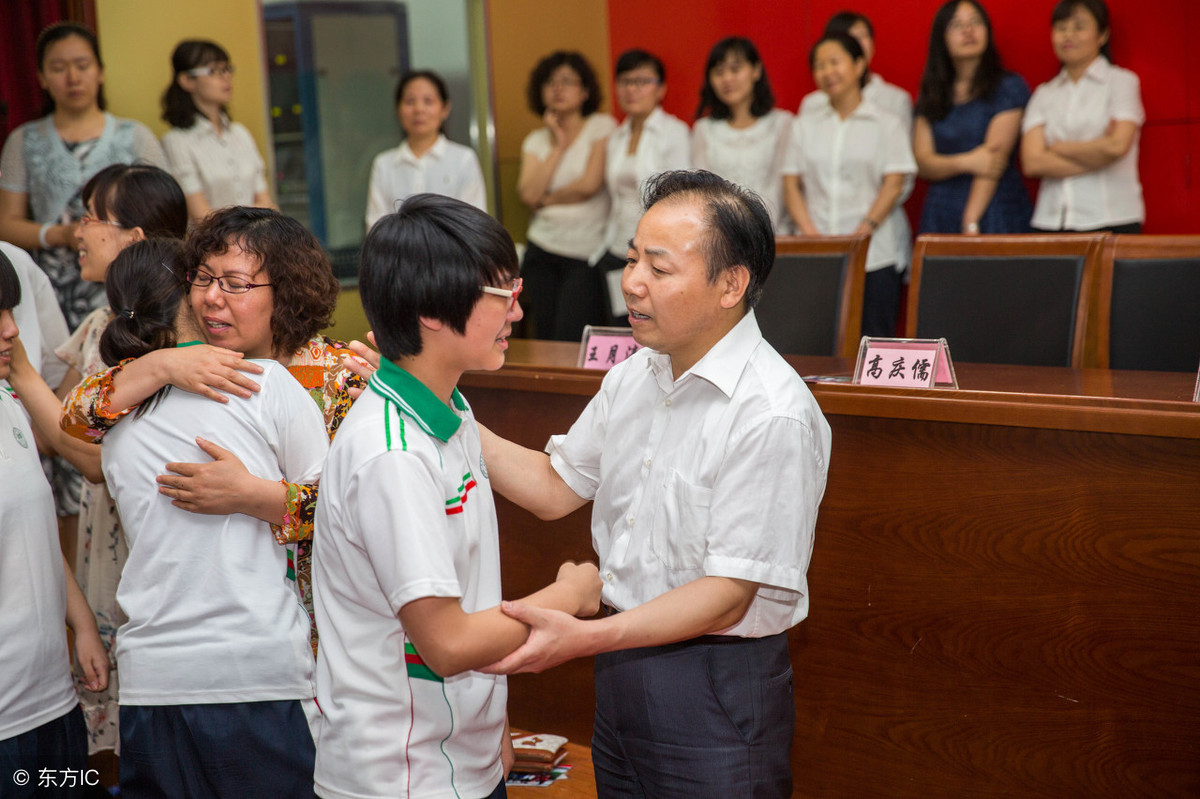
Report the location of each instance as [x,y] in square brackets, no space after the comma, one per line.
[179,109]
[579,65]
[305,290]
[763,100]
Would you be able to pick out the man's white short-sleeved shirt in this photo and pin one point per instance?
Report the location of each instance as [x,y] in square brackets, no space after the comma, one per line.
[213,615]
[35,675]
[718,473]
[405,512]
[1080,111]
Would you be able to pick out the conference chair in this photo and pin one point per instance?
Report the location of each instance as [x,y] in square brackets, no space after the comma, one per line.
[1017,299]
[812,301]
[1146,313]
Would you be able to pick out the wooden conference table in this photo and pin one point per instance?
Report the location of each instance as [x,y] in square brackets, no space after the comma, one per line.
[1005,585]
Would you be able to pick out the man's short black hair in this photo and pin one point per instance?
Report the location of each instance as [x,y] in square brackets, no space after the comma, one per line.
[739,225]
[429,259]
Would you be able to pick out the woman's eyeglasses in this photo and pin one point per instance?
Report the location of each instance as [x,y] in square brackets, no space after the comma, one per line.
[230,285]
[220,70]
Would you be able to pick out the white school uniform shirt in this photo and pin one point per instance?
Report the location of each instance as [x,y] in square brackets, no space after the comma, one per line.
[718,473]
[752,157]
[38,316]
[224,164]
[665,144]
[842,163]
[884,95]
[1079,111]
[35,677]
[213,615]
[572,230]
[406,511]
[447,168]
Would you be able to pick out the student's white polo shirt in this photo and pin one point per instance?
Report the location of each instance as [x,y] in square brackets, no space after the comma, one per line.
[405,512]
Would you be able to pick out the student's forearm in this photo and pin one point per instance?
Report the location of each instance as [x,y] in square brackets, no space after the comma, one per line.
[525,476]
[45,410]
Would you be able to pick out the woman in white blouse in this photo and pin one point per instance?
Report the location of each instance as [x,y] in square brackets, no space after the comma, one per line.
[739,133]
[1081,130]
[214,158]
[562,181]
[426,161]
[649,141]
[848,167]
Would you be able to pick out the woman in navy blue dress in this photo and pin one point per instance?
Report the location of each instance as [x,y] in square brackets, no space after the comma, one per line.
[968,122]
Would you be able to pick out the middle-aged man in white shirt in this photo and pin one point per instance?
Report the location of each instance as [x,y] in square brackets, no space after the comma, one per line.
[705,456]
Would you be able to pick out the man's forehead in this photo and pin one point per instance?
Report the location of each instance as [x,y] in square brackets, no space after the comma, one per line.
[670,226]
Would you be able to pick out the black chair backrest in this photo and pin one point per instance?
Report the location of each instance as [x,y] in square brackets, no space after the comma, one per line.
[1155,314]
[1005,299]
[805,308]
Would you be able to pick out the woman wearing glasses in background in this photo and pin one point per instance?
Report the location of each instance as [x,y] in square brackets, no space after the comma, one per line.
[214,158]
[647,142]
[562,182]
[261,286]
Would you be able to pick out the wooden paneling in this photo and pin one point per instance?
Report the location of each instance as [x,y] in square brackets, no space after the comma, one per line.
[1005,585]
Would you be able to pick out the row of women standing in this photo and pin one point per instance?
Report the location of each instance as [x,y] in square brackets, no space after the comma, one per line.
[844,164]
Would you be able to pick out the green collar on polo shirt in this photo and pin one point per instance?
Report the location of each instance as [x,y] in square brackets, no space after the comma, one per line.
[416,400]
[188,343]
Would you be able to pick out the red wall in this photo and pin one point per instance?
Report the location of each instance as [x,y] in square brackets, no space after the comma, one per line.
[1157,39]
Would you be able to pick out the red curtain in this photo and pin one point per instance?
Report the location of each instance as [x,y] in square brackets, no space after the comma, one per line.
[20,22]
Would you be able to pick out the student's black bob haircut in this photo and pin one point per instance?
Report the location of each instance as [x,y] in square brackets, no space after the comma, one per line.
[10,286]
[579,65]
[739,226]
[429,259]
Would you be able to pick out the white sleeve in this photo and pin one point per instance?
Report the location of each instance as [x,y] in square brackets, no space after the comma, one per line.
[400,518]
[13,176]
[474,190]
[676,147]
[1036,110]
[897,151]
[295,427]
[793,161]
[1125,101]
[379,199]
[146,148]
[180,163]
[699,145]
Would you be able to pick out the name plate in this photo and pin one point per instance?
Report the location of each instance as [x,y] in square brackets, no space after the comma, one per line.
[605,347]
[905,363]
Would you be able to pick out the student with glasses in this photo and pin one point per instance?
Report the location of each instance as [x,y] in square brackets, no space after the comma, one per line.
[261,287]
[214,158]
[649,141]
